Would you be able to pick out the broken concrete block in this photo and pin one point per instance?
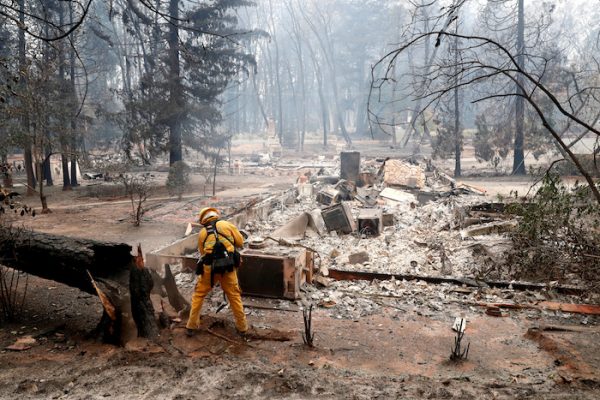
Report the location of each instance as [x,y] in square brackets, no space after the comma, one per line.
[323,281]
[350,165]
[367,197]
[295,229]
[358,258]
[488,229]
[370,221]
[188,229]
[398,195]
[339,218]
[400,173]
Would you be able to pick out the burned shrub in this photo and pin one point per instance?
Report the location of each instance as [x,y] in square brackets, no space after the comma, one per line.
[137,187]
[13,283]
[558,236]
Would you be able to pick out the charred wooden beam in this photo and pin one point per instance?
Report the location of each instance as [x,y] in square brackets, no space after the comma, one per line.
[341,275]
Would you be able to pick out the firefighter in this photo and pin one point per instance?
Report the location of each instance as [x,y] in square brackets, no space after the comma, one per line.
[217,243]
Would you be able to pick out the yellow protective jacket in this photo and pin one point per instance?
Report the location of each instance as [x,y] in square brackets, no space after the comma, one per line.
[229,235]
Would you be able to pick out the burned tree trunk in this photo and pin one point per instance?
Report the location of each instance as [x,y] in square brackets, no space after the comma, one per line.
[110,327]
[106,269]
[140,286]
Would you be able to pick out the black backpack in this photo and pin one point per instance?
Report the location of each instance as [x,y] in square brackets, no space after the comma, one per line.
[220,260]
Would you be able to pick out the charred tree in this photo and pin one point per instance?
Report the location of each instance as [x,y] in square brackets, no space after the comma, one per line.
[28,156]
[277,74]
[519,155]
[457,130]
[140,286]
[73,182]
[176,101]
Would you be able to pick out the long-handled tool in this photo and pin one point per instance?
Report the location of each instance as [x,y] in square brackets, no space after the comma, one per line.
[223,304]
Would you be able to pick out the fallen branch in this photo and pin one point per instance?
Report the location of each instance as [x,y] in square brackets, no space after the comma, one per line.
[220,336]
[260,307]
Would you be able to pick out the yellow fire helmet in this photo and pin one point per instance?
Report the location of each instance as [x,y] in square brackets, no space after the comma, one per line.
[207,215]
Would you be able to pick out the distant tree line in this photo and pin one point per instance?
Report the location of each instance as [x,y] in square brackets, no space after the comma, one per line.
[146,75]
[527,74]
[154,78]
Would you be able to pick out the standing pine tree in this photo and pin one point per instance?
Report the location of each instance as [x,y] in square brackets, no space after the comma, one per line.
[179,98]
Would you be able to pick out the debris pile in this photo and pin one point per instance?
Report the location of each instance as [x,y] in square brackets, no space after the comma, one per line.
[406,219]
[417,240]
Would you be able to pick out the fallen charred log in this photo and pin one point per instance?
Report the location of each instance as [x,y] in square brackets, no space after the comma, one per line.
[106,269]
[64,259]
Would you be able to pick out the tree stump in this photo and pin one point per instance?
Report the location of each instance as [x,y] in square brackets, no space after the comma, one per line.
[140,286]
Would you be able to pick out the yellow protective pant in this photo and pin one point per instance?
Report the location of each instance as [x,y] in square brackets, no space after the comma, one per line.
[229,284]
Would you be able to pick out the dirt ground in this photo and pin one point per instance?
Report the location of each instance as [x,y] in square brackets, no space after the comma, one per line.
[398,352]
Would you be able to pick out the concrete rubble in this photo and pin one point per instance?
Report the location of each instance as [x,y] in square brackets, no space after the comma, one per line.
[399,173]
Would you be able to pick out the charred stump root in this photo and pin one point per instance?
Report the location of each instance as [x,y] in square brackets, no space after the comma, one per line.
[109,329]
[113,328]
